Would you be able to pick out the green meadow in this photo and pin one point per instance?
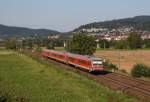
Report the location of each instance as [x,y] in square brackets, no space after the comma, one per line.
[23,79]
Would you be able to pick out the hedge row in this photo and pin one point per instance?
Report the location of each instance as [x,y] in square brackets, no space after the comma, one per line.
[140,70]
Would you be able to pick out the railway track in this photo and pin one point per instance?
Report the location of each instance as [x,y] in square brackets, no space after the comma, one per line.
[116,81]
[129,85]
[131,81]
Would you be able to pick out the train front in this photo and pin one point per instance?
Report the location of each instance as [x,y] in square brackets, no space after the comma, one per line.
[97,64]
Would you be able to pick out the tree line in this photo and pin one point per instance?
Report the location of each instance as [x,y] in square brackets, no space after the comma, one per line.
[83,44]
[30,43]
[80,43]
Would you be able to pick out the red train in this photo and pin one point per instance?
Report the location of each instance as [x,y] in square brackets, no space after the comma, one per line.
[89,63]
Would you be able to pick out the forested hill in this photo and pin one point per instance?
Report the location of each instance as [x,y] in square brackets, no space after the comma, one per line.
[10,31]
[138,22]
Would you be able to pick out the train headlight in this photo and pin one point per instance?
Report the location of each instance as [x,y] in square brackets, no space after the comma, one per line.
[104,60]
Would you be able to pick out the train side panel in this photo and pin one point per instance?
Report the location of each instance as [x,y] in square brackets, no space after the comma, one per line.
[83,62]
[79,62]
[54,55]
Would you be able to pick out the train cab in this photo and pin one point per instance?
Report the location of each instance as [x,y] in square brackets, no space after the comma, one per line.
[97,64]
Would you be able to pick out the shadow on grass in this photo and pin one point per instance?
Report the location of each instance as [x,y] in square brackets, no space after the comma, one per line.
[101,73]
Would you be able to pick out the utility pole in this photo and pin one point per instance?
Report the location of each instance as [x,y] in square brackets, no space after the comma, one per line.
[104,45]
[119,54]
[119,59]
[64,44]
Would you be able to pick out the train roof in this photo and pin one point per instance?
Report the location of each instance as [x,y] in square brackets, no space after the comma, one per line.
[54,51]
[84,57]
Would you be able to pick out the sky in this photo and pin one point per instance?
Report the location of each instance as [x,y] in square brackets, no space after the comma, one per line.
[66,15]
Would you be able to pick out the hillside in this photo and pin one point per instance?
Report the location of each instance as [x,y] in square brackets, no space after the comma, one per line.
[11,31]
[138,23]
[24,79]
[120,25]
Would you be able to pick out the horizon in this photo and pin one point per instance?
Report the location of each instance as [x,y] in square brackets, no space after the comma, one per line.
[47,14]
[72,29]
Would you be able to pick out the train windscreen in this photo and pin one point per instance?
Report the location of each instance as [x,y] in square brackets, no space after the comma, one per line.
[97,62]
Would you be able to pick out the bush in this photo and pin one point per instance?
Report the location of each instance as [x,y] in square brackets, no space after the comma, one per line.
[121,44]
[146,43]
[110,66]
[11,43]
[50,46]
[113,66]
[140,70]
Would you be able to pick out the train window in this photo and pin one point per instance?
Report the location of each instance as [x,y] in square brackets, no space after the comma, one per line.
[97,62]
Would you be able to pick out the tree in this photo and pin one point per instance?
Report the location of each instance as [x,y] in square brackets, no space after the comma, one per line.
[104,44]
[112,43]
[59,42]
[27,43]
[81,44]
[146,43]
[50,45]
[69,46]
[134,40]
[122,44]
[11,43]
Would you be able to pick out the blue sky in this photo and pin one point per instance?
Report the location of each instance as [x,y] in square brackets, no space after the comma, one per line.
[65,15]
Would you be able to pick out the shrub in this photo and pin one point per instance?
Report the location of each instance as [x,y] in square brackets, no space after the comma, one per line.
[50,46]
[113,66]
[140,70]
[146,43]
[11,43]
[121,44]
[110,66]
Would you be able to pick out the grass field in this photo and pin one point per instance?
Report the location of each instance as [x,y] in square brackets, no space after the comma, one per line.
[128,58]
[22,78]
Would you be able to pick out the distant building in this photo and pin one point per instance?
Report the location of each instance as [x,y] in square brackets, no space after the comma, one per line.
[120,33]
[53,37]
[145,36]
